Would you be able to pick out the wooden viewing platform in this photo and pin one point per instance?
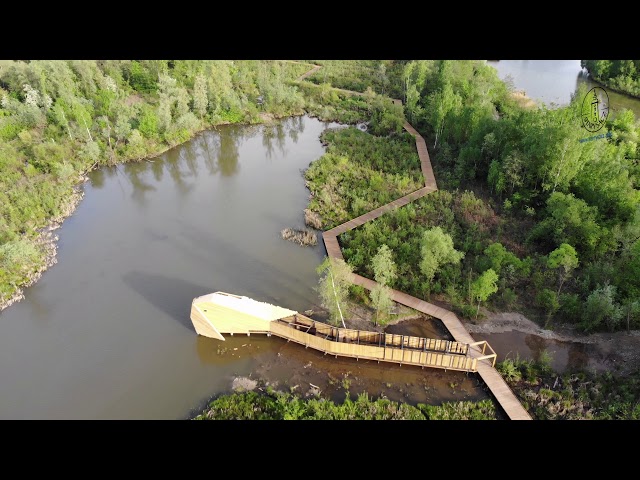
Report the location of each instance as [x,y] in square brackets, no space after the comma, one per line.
[219,312]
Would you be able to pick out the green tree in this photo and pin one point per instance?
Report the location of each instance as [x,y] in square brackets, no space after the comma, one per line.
[91,151]
[200,98]
[631,311]
[601,307]
[437,250]
[483,287]
[440,104]
[333,286]
[499,257]
[381,299]
[565,259]
[384,271]
[571,220]
[548,299]
[384,268]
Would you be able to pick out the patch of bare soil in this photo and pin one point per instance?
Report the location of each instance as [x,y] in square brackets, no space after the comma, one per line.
[267,118]
[624,346]
[523,100]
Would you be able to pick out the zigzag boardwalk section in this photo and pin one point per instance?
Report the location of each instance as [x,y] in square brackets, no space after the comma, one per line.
[490,376]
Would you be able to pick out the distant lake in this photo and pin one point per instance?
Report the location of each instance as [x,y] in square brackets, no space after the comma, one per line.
[554,81]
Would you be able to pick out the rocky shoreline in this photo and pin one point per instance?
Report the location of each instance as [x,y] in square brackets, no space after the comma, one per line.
[47,240]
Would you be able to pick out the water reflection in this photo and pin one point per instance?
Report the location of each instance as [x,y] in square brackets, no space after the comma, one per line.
[228,153]
[275,136]
[190,154]
[297,127]
[134,173]
[157,169]
[97,178]
[562,356]
[182,187]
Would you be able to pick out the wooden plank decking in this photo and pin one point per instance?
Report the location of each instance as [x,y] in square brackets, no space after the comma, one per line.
[494,381]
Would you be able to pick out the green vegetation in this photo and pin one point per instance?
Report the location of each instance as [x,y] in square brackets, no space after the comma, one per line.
[384,271]
[436,250]
[61,119]
[382,76]
[273,405]
[360,172]
[328,104]
[621,75]
[428,238]
[554,217]
[548,395]
[333,287]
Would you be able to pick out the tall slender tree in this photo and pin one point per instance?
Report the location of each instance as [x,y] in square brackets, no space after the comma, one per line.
[333,287]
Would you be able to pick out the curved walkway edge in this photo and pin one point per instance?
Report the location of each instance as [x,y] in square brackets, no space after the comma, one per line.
[490,376]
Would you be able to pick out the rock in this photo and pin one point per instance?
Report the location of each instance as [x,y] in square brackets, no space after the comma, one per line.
[243,384]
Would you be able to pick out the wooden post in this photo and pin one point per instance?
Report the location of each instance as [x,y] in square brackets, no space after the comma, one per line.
[384,352]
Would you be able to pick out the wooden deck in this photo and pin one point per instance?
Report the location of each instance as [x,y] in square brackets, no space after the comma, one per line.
[220,313]
[494,381]
[381,347]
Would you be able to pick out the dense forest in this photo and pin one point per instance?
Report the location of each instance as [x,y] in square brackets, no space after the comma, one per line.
[620,75]
[529,215]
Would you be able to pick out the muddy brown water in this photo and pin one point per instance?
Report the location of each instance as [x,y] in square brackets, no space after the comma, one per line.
[562,356]
[105,333]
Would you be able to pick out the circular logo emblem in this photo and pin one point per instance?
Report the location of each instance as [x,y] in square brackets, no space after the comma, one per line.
[595,109]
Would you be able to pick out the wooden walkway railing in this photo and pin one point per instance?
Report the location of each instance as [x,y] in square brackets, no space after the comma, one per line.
[383,347]
[486,369]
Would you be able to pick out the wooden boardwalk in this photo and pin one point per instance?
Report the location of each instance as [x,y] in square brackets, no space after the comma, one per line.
[490,376]
[219,312]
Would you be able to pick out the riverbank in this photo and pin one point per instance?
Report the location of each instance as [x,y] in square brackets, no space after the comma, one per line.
[613,89]
[47,240]
[523,100]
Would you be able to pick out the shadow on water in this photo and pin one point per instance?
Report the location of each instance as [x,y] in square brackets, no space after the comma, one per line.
[268,283]
[170,295]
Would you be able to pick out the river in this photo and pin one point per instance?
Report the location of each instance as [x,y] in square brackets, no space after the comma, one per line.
[105,333]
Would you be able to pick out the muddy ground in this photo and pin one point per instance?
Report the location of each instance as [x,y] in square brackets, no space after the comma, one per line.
[292,368]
